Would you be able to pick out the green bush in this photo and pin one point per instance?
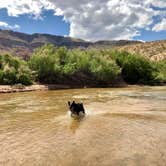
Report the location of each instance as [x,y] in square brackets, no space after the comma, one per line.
[104,70]
[160,75]
[46,64]
[83,67]
[14,70]
[135,69]
[1,76]
[24,75]
[54,65]
[9,75]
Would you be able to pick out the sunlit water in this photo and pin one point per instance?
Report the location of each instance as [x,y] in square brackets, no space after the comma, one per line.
[125,126]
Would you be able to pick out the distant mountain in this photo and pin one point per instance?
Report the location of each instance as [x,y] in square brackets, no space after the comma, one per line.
[23,45]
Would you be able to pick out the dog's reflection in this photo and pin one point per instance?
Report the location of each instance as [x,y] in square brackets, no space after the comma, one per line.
[76,122]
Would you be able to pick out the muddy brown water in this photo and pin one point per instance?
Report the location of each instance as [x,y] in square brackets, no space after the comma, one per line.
[123,126]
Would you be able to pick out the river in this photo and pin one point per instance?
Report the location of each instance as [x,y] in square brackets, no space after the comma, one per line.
[122,126]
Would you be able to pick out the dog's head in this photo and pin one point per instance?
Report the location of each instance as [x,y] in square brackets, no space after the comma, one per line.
[71,105]
[76,107]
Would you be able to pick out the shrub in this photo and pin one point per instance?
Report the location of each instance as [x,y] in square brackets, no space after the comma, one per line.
[160,75]
[24,75]
[14,70]
[1,76]
[59,64]
[91,66]
[135,68]
[9,75]
[103,70]
[46,64]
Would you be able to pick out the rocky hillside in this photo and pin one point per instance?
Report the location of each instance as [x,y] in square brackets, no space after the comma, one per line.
[22,44]
[155,50]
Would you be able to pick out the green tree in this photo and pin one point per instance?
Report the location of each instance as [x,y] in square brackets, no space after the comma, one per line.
[12,69]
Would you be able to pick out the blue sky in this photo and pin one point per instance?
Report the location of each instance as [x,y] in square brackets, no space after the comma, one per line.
[87,19]
[49,23]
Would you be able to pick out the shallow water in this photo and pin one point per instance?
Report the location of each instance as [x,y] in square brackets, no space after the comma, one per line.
[123,126]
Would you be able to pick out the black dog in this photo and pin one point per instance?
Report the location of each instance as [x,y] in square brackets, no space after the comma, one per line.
[76,108]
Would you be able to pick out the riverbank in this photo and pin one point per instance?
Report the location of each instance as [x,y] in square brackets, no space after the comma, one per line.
[43,87]
[21,88]
[38,87]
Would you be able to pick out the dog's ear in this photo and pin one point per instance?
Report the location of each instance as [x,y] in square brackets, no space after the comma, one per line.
[69,103]
[81,104]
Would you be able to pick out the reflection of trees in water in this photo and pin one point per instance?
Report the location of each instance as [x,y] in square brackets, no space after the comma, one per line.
[75,122]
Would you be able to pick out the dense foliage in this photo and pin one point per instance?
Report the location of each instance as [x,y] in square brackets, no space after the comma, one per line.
[59,65]
[161,71]
[80,67]
[14,70]
[135,69]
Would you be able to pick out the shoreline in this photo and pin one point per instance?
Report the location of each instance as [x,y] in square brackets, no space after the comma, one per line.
[46,87]
[20,88]
[36,87]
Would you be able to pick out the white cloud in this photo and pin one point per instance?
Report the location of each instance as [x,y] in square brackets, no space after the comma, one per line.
[18,7]
[95,19]
[5,25]
[108,19]
[158,3]
[161,26]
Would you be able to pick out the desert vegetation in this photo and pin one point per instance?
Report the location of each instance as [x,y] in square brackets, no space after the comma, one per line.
[72,66]
[14,70]
[51,65]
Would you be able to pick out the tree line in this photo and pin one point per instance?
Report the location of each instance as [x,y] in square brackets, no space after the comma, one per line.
[52,65]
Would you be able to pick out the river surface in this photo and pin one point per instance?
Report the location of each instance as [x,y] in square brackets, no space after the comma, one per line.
[122,127]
